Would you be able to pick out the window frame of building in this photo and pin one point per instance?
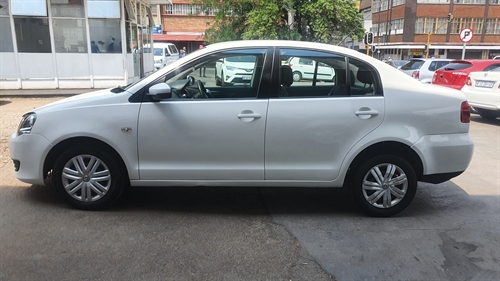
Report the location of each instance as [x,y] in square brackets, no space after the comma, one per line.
[429,25]
[398,2]
[104,9]
[6,44]
[492,26]
[36,8]
[433,1]
[473,2]
[476,24]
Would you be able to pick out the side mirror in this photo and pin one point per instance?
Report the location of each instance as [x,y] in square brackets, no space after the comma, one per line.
[167,55]
[160,91]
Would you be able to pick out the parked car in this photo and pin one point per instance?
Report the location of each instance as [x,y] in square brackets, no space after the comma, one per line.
[234,69]
[397,63]
[304,68]
[455,73]
[482,90]
[423,69]
[497,58]
[372,130]
[164,54]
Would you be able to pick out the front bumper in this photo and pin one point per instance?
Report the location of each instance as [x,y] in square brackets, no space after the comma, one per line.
[29,151]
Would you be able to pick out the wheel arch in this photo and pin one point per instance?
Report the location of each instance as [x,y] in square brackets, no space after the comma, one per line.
[63,145]
[387,147]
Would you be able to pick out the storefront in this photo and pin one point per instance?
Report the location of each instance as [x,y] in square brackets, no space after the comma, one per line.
[50,44]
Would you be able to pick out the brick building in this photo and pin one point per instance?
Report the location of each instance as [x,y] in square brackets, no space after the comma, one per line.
[401,28]
[178,23]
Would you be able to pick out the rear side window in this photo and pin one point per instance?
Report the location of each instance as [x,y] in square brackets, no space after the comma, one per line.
[493,67]
[457,66]
[413,65]
[441,64]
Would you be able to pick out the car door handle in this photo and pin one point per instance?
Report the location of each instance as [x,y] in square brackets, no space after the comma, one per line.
[248,116]
[365,113]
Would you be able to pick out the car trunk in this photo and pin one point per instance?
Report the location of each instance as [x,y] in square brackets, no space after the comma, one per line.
[452,74]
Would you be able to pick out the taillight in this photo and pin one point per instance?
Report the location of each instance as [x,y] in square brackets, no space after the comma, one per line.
[415,74]
[465,112]
[290,64]
[468,82]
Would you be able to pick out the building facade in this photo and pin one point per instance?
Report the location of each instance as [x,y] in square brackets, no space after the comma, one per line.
[181,23]
[50,44]
[403,28]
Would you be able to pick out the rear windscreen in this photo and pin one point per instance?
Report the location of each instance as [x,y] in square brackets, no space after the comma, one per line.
[414,64]
[456,66]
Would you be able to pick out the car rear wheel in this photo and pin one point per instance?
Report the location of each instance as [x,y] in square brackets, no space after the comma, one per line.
[88,178]
[384,185]
[487,114]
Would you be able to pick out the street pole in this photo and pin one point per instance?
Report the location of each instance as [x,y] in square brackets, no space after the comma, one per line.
[463,51]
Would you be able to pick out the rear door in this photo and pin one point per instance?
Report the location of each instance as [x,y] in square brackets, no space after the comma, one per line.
[311,127]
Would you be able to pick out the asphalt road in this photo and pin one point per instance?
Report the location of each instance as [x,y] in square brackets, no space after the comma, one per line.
[451,231]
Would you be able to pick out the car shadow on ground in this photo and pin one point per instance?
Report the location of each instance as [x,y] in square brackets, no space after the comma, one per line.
[479,119]
[429,200]
[4,102]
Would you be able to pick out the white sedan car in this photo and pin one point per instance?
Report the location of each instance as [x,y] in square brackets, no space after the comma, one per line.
[482,90]
[373,130]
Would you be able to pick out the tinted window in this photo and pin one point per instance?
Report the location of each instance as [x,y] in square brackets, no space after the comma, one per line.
[432,66]
[493,67]
[457,66]
[413,65]
[441,64]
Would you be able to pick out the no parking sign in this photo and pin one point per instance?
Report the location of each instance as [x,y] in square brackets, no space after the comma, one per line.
[466,35]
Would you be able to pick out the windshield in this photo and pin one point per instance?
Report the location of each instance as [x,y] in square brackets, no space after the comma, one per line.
[413,65]
[158,52]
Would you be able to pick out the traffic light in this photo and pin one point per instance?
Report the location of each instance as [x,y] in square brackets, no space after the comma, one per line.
[450,17]
[369,38]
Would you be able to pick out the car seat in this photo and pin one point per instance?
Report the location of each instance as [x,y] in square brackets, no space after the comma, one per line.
[286,79]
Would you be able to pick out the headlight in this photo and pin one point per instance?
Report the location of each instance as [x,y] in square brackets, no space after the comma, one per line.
[231,68]
[26,124]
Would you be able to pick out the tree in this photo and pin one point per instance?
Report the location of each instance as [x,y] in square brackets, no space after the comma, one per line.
[327,21]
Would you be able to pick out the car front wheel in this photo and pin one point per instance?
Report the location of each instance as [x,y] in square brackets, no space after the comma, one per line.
[88,178]
[297,76]
[384,185]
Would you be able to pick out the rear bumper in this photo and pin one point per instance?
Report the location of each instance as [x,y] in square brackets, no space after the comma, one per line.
[444,156]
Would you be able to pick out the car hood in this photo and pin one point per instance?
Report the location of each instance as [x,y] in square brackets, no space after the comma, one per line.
[100,97]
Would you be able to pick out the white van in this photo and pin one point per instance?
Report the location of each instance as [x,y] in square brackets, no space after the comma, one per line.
[164,53]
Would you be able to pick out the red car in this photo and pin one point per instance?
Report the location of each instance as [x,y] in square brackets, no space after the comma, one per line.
[455,73]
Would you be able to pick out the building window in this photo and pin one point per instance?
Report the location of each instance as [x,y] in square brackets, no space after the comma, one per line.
[398,2]
[5,34]
[185,9]
[494,2]
[68,9]
[4,7]
[32,35]
[493,26]
[470,1]
[397,25]
[384,5]
[431,25]
[29,8]
[433,1]
[458,24]
[106,36]
[69,35]
[103,9]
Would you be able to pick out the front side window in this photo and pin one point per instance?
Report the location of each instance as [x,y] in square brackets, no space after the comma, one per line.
[224,75]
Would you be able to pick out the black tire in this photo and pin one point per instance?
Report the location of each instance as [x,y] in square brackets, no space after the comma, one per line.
[397,190]
[297,76]
[92,189]
[488,114]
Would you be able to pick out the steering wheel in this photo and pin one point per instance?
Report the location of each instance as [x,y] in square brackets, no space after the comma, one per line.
[202,89]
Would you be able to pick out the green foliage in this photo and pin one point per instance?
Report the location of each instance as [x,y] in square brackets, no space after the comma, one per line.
[326,21]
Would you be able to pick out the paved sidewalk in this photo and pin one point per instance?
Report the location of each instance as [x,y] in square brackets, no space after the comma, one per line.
[44,92]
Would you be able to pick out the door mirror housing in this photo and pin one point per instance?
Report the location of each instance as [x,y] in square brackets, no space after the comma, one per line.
[161,91]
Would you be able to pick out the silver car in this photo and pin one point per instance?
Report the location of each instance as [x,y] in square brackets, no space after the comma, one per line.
[372,129]
[423,69]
